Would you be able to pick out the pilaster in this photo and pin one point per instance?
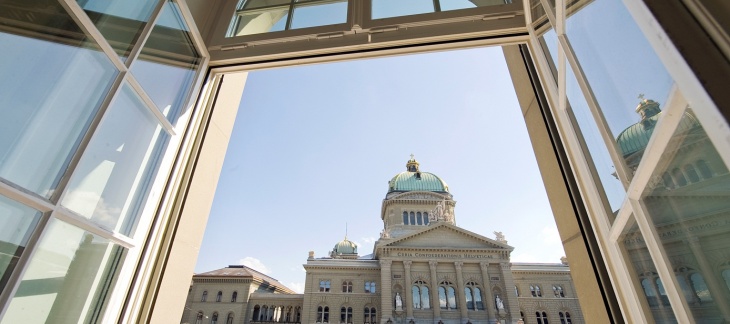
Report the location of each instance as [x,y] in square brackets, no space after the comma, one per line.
[407,290]
[435,292]
[463,311]
[513,306]
[386,297]
[489,302]
[713,284]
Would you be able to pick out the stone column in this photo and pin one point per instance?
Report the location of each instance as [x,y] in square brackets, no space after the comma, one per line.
[512,305]
[407,291]
[386,296]
[435,292]
[713,284]
[489,305]
[463,311]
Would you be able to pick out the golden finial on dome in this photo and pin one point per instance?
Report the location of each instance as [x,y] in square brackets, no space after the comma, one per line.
[412,165]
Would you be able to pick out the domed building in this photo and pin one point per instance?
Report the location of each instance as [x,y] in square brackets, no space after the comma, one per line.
[423,269]
[686,200]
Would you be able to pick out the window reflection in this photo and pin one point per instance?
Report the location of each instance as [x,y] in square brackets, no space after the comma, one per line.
[396,8]
[112,180]
[53,81]
[121,22]
[69,277]
[168,63]
[18,222]
[262,16]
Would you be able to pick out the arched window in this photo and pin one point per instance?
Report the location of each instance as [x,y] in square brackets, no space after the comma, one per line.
[469,298]
[679,177]
[370,287]
[558,291]
[288,316]
[370,317]
[264,313]
[299,314]
[346,315]
[726,276]
[541,317]
[199,318]
[324,285]
[532,291]
[419,218]
[662,293]
[425,218]
[205,296]
[567,318]
[229,320]
[413,218]
[668,181]
[214,319]
[256,313]
[347,286]
[705,170]
[537,290]
[405,218]
[478,298]
[218,297]
[517,292]
[473,296]
[323,314]
[691,173]
[447,295]
[416,296]
[234,296]
[700,288]
[419,292]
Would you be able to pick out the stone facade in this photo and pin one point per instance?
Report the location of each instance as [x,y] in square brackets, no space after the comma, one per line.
[424,269]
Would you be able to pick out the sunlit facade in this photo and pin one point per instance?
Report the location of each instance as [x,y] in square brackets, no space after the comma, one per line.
[115,118]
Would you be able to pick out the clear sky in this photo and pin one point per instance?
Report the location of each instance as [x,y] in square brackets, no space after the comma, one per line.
[314,147]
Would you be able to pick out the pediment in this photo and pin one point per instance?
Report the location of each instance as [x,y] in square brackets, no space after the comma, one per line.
[446,236]
[418,195]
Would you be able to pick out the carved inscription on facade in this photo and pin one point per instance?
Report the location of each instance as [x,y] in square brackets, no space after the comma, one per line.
[445,255]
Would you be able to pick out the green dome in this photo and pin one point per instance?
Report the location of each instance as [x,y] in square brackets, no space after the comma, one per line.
[415,180]
[345,247]
[635,138]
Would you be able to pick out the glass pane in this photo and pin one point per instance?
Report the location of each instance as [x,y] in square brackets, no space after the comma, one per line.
[691,217]
[606,172]
[396,8]
[260,21]
[620,67]
[120,22]
[168,62]
[425,298]
[644,274]
[18,222]
[113,178]
[539,17]
[69,278]
[549,44]
[311,15]
[464,4]
[253,4]
[53,80]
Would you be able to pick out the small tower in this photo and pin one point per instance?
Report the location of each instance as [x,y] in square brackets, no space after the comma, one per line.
[344,249]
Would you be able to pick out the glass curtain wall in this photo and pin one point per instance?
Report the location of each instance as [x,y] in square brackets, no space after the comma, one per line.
[655,180]
[93,97]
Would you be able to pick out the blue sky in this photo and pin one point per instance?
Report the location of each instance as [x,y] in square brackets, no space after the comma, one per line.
[314,146]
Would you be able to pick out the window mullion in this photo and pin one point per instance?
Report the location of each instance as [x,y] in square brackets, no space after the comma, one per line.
[24,196]
[84,142]
[29,251]
[151,106]
[663,132]
[146,32]
[289,15]
[596,112]
[68,216]
[545,75]
[79,16]
[661,262]
[549,13]
[712,120]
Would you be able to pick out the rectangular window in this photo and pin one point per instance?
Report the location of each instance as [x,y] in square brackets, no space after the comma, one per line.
[263,16]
